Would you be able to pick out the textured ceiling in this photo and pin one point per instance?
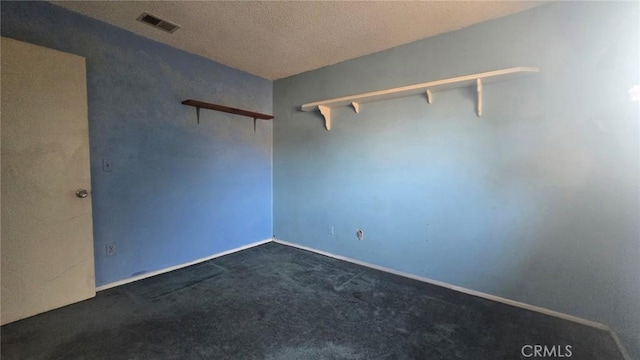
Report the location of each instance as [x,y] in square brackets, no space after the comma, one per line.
[276,39]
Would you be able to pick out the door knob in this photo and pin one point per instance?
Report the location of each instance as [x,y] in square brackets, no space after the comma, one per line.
[82,193]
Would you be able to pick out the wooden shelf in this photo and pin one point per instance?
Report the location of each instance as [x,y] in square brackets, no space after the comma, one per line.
[427,88]
[204,105]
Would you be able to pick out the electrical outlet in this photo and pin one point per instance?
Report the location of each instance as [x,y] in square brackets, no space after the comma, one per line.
[111,249]
[360,234]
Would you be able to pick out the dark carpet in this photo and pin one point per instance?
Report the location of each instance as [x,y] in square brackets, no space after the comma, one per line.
[276,302]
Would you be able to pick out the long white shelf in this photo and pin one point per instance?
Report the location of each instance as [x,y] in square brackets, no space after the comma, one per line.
[426,88]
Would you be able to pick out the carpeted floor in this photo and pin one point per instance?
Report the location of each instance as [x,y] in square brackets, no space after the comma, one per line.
[276,302]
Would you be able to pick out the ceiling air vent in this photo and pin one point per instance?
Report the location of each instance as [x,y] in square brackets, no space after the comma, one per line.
[156,22]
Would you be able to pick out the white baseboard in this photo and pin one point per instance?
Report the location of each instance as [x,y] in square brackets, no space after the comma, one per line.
[480,294]
[454,287]
[621,347]
[499,299]
[176,267]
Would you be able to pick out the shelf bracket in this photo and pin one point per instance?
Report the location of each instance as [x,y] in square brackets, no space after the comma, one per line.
[429,96]
[254,124]
[356,106]
[479,87]
[326,112]
[198,114]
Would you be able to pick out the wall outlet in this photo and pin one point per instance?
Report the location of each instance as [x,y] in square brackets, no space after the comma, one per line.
[111,249]
[360,234]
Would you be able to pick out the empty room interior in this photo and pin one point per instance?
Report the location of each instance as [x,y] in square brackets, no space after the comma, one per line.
[320,180]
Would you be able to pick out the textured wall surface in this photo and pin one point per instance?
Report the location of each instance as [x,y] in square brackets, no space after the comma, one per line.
[178,191]
[537,201]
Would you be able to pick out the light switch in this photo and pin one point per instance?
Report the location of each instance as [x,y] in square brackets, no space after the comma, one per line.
[107,165]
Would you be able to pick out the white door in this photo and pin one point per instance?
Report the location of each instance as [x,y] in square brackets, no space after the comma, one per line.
[46,239]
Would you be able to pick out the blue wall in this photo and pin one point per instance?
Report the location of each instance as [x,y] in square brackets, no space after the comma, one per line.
[537,201]
[178,191]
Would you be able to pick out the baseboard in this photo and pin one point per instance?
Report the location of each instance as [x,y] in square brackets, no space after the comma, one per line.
[456,288]
[623,350]
[480,294]
[176,267]
[499,299]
